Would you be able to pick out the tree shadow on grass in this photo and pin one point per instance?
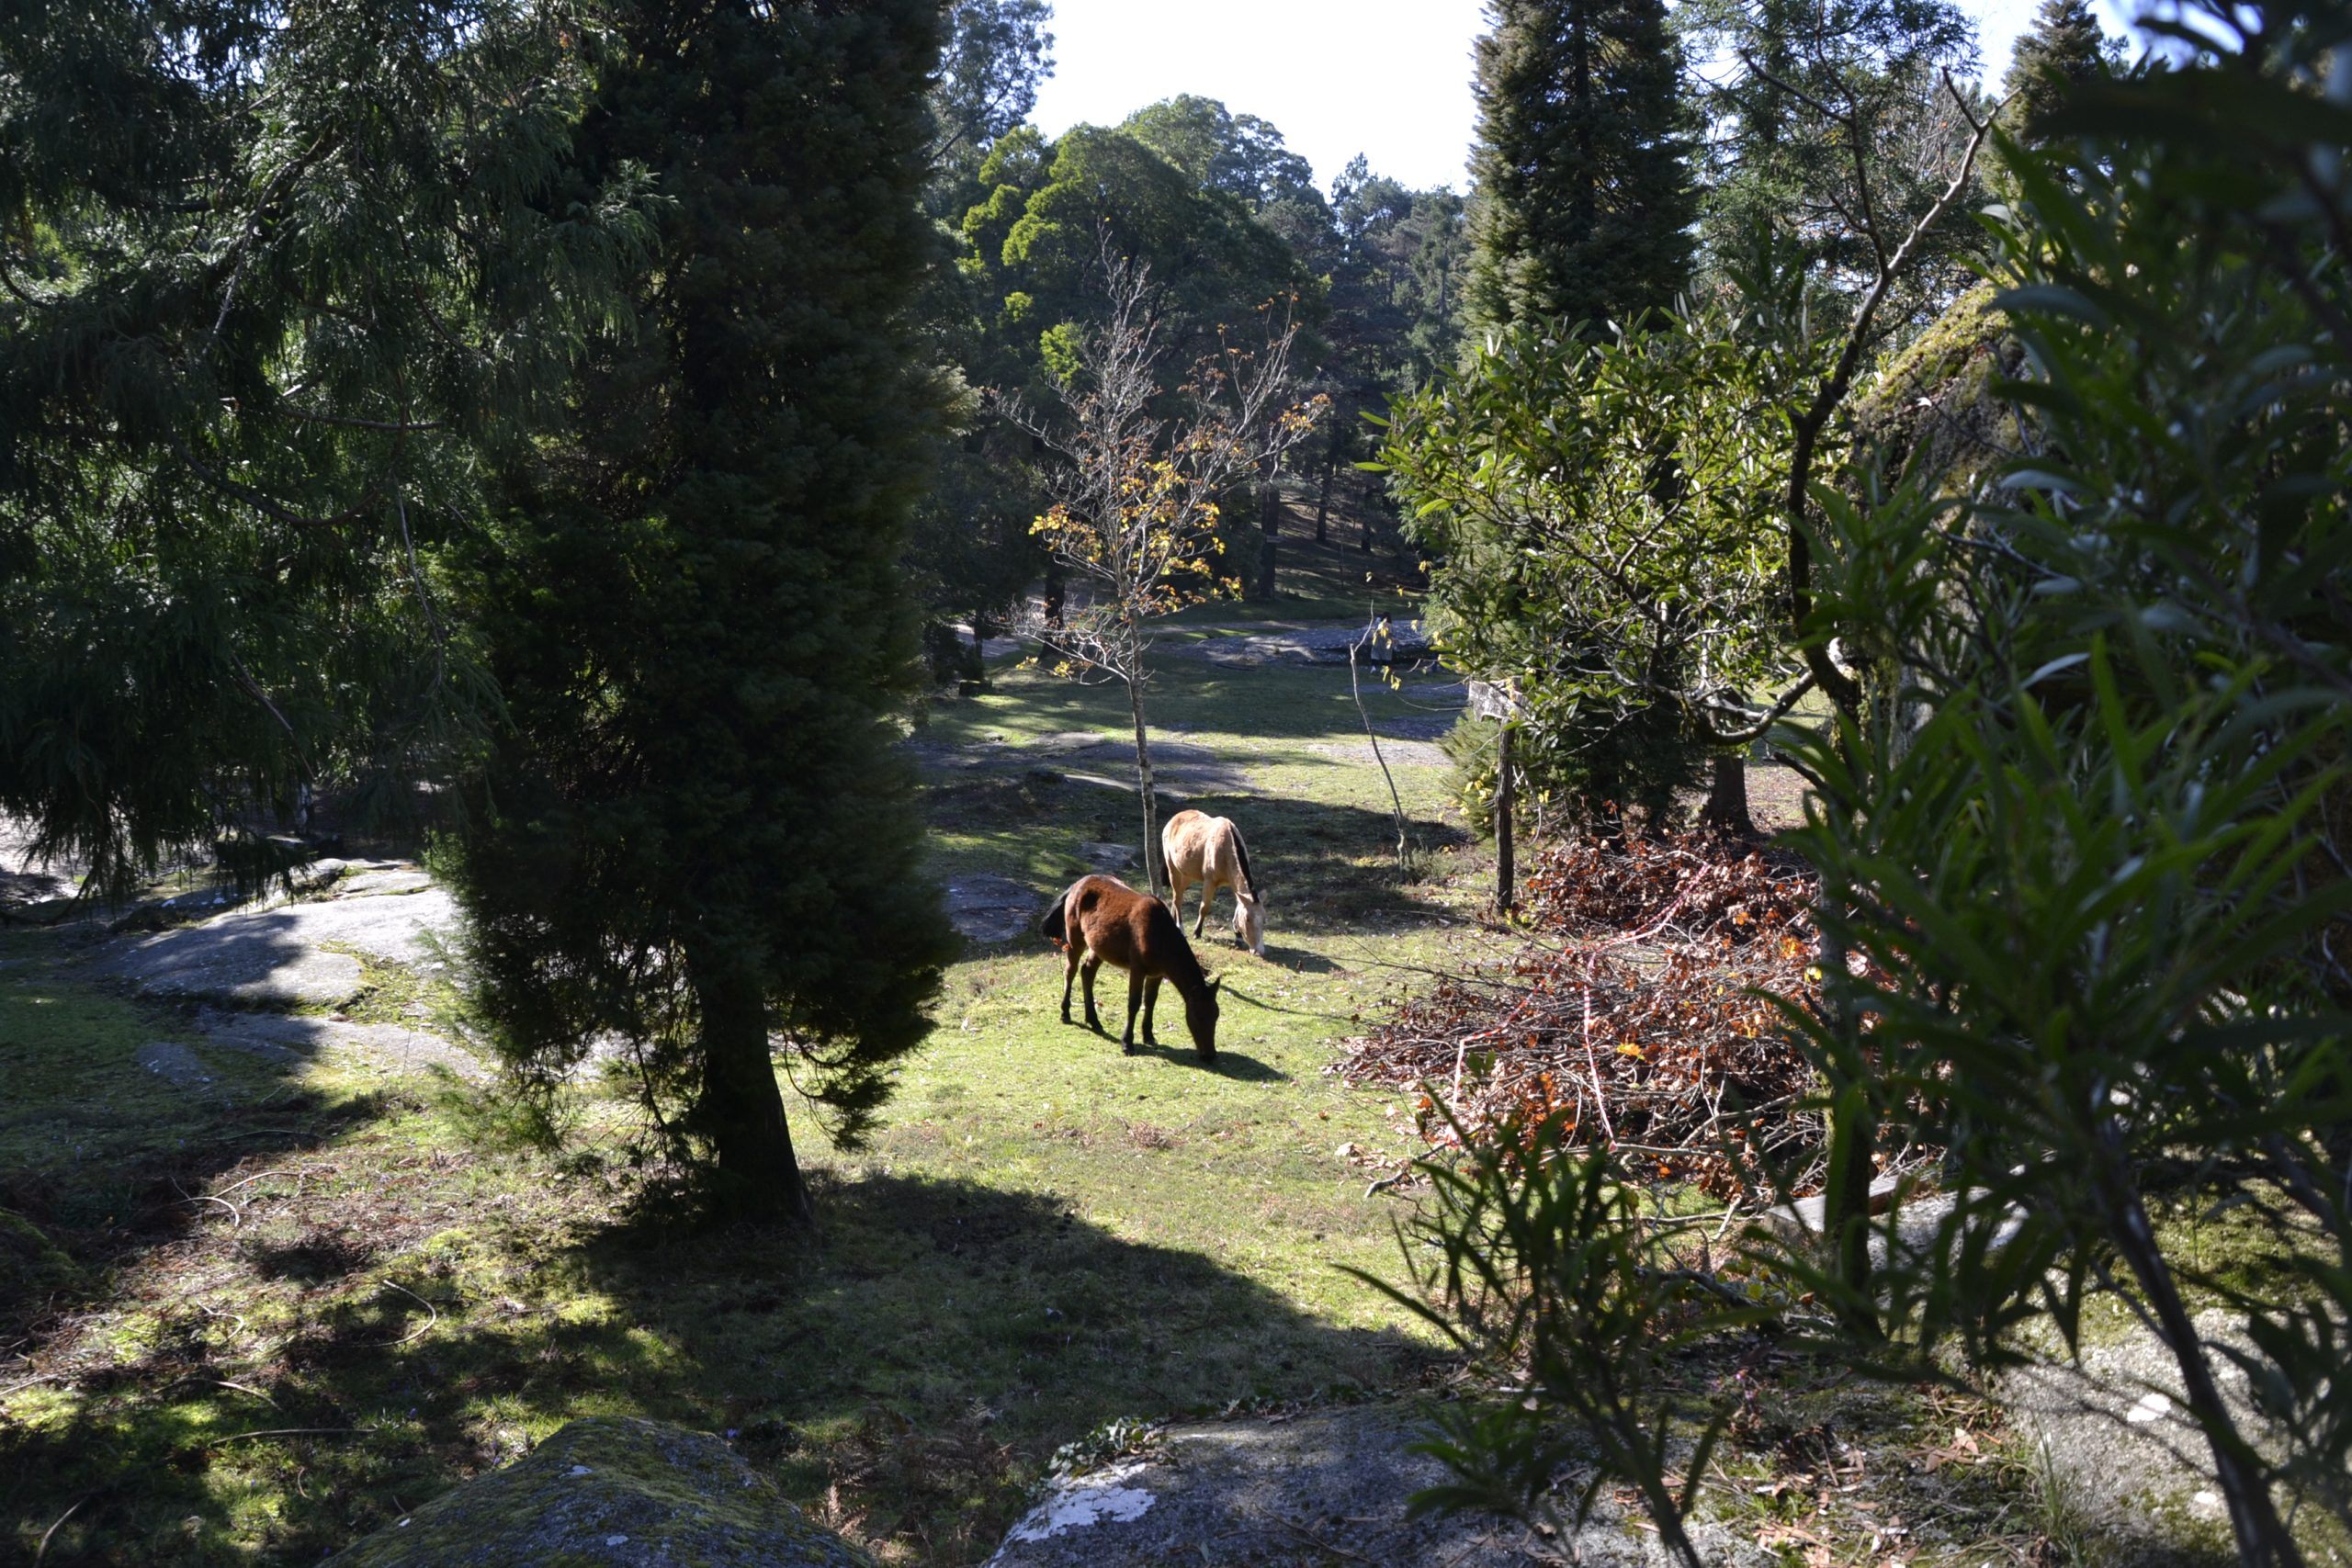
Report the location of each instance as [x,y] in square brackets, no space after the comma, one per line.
[1177,1049]
[1326,869]
[1299,960]
[1237,993]
[906,1372]
[1230,1064]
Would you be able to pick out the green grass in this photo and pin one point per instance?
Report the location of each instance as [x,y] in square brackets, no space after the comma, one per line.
[1044,1235]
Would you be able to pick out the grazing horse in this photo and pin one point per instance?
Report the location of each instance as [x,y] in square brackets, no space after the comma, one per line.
[1102,919]
[1209,851]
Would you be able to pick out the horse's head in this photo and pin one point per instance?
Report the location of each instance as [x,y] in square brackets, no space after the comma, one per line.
[1249,921]
[1200,1017]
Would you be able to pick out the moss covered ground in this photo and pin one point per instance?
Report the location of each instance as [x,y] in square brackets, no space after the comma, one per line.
[253,1320]
[258,1318]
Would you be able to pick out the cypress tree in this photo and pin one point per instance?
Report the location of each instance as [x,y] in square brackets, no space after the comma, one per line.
[1584,200]
[692,834]
[2066,46]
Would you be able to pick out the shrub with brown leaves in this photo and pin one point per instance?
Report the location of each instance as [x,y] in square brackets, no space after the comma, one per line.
[1639,1004]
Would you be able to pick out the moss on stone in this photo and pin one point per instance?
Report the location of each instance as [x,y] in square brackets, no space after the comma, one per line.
[32,1269]
[611,1493]
[1931,409]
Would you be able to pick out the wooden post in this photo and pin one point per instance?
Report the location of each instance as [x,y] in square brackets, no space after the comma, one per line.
[1497,700]
[1504,893]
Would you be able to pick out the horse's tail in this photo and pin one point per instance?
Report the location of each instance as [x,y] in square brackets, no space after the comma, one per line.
[1055,925]
[1242,850]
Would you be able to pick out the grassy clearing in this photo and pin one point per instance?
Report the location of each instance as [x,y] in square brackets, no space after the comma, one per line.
[310,1296]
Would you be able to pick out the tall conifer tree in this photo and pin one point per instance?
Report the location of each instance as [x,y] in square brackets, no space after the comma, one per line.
[2066,46]
[1584,201]
[694,835]
[256,329]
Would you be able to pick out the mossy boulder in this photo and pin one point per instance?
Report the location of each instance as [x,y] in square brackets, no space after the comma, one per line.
[1931,409]
[611,1492]
[32,1269]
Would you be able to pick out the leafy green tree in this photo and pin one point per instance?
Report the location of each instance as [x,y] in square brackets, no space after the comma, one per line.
[1431,251]
[1601,522]
[1834,128]
[692,834]
[1036,242]
[256,329]
[998,52]
[1582,163]
[1390,258]
[968,550]
[1239,155]
[1036,245]
[2123,818]
[2093,880]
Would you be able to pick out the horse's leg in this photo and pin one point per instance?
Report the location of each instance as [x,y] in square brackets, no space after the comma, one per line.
[1069,972]
[1134,1000]
[1151,1000]
[1209,892]
[1093,1019]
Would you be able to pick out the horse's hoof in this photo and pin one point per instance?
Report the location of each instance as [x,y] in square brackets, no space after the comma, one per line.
[1130,1048]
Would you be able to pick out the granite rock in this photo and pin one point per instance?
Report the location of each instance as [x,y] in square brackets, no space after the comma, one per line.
[611,1492]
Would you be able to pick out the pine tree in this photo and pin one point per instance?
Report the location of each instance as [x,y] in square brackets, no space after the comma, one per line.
[2066,46]
[693,834]
[1584,197]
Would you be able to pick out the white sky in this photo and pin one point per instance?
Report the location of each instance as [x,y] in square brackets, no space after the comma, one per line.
[1387,78]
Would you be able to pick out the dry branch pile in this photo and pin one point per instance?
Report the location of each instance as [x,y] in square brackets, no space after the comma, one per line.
[1633,1007]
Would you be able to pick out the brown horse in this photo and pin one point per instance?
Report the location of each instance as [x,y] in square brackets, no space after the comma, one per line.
[1101,920]
[1209,851]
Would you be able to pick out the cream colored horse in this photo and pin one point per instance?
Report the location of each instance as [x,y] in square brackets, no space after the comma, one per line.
[1209,851]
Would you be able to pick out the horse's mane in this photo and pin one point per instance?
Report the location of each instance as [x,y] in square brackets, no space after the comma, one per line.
[1183,956]
[1242,849]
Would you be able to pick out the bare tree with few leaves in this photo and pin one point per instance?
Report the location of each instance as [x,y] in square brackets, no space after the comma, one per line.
[1136,497]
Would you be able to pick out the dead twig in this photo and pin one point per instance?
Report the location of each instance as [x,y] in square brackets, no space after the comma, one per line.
[256,1176]
[221,1383]
[236,1215]
[41,1550]
[419,1301]
[285,1432]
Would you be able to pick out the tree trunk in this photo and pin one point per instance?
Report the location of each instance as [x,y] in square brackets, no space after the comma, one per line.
[1363,539]
[1323,502]
[1506,893]
[1270,522]
[1726,808]
[1853,1144]
[2263,1539]
[1056,591]
[741,1109]
[1153,872]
